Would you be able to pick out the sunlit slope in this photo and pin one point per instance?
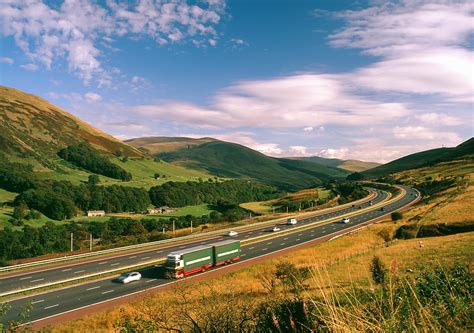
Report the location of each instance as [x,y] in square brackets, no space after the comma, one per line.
[226,159]
[424,158]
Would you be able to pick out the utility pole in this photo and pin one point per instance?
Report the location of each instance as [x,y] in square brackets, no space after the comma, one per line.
[90,242]
[287,209]
[174,230]
[72,242]
[191,226]
[163,230]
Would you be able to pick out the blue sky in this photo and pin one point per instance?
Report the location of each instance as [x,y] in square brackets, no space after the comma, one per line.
[367,80]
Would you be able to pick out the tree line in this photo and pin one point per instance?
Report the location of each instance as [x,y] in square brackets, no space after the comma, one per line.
[53,238]
[190,193]
[85,156]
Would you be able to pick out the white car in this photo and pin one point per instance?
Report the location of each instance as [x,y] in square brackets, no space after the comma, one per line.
[291,221]
[232,233]
[129,277]
[275,229]
[346,220]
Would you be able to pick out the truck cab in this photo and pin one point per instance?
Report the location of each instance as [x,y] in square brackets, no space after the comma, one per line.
[291,221]
[174,265]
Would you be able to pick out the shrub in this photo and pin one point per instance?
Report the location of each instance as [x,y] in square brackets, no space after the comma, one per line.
[378,270]
[396,216]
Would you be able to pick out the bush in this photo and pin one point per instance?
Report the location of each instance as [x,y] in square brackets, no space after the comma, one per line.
[396,216]
[408,231]
[378,270]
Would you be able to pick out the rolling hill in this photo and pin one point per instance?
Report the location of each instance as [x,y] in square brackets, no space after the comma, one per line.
[226,159]
[349,165]
[33,131]
[424,158]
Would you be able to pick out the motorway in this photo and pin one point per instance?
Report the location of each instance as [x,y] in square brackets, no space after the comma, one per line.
[55,302]
[20,280]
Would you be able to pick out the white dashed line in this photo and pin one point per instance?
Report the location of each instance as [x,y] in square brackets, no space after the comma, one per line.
[251,248]
[51,306]
[144,258]
[285,238]
[26,278]
[67,270]
[82,271]
[264,249]
[159,251]
[97,287]
[132,257]
[115,264]
[103,262]
[108,291]
[37,280]
[151,280]
[282,243]
[298,239]
[38,301]
[269,243]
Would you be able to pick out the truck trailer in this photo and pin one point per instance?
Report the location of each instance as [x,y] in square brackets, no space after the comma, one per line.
[199,258]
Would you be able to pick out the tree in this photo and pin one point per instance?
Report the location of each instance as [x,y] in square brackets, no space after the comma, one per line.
[396,216]
[93,180]
[157,175]
[20,211]
[378,270]
[355,176]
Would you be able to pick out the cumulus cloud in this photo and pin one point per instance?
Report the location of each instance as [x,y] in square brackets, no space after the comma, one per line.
[424,133]
[73,29]
[308,129]
[92,97]
[439,119]
[7,60]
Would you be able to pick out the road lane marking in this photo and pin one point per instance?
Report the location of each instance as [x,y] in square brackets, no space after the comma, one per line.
[67,270]
[81,271]
[144,258]
[151,280]
[101,263]
[243,255]
[115,264]
[251,248]
[159,251]
[265,249]
[298,239]
[300,234]
[132,257]
[108,291]
[97,287]
[38,301]
[282,243]
[36,280]
[269,243]
[26,278]
[51,306]
[285,238]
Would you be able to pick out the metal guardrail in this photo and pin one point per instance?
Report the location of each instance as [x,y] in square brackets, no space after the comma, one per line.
[160,260]
[165,241]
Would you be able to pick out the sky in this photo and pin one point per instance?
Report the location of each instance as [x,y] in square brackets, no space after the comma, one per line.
[368,80]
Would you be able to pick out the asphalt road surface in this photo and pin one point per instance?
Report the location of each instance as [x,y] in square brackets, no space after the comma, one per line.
[75,297]
[19,280]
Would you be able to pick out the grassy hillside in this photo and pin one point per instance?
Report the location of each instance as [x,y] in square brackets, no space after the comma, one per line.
[32,131]
[226,159]
[339,282]
[157,145]
[349,165]
[424,158]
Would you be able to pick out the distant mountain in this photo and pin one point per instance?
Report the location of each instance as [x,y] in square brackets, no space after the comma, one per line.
[33,131]
[226,159]
[349,165]
[424,158]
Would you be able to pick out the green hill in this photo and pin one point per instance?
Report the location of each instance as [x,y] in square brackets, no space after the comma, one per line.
[33,131]
[226,159]
[349,165]
[424,158]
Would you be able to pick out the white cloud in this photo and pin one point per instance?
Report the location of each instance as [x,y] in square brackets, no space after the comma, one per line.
[30,67]
[308,129]
[422,46]
[439,119]
[73,29]
[92,97]
[305,100]
[298,151]
[340,153]
[424,133]
[7,60]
